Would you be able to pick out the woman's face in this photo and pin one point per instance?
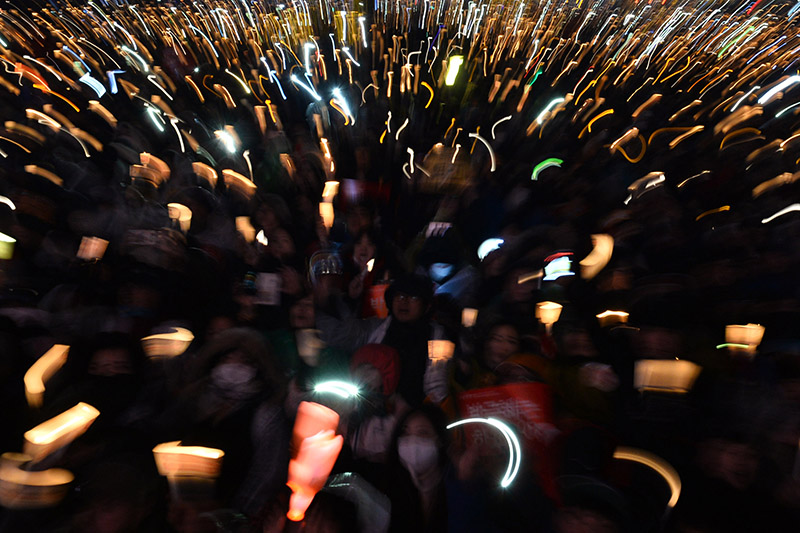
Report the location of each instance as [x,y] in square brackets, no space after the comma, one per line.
[419,426]
[281,244]
[301,314]
[363,251]
[502,343]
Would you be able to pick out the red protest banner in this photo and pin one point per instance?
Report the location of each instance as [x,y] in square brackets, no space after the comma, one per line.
[527,407]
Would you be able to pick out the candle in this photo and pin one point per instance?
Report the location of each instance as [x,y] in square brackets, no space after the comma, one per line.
[41,371]
[59,431]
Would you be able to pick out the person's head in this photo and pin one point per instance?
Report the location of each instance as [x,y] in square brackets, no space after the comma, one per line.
[421,441]
[409,297]
[239,365]
[113,354]
[301,313]
[281,245]
[365,247]
[502,341]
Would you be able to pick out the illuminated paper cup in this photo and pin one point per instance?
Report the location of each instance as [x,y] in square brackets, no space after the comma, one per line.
[665,375]
[744,337]
[7,246]
[59,431]
[245,227]
[469,316]
[170,344]
[182,214]
[41,371]
[92,248]
[22,489]
[326,212]
[612,318]
[311,419]
[309,471]
[440,350]
[330,191]
[548,314]
[174,460]
[309,345]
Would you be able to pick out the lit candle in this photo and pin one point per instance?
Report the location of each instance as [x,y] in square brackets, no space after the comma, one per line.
[59,431]
[41,371]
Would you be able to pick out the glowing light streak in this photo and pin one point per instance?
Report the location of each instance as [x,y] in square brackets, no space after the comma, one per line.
[488,147]
[712,211]
[400,129]
[309,89]
[514,448]
[340,388]
[496,124]
[784,211]
[663,468]
[791,80]
[547,163]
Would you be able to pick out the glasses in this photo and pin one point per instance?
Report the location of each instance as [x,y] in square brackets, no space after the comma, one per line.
[407,298]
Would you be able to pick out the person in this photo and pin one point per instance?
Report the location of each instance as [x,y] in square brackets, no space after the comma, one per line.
[407,329]
[417,466]
[376,368]
[234,404]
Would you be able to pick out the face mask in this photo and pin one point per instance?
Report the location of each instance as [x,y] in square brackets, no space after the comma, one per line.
[229,376]
[418,454]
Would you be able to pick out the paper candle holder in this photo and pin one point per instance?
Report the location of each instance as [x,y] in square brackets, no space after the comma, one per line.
[41,371]
[174,460]
[92,248]
[612,318]
[327,214]
[665,375]
[182,214]
[440,350]
[22,489]
[59,431]
[469,316]
[744,337]
[170,344]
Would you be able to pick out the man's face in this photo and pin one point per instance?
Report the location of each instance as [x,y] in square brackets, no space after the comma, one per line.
[407,308]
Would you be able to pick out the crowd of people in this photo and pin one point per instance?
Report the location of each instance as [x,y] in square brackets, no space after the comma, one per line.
[286,282]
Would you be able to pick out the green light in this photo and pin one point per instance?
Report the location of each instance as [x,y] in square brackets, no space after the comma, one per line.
[547,163]
[731,345]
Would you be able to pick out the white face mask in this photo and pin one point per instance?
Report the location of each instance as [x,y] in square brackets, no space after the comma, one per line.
[418,454]
[231,376]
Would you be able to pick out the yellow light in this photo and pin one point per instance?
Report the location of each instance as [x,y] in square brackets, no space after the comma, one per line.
[330,191]
[610,318]
[440,350]
[244,227]
[59,431]
[548,313]
[174,460]
[25,489]
[658,464]
[6,246]
[748,335]
[677,376]
[41,371]
[182,214]
[169,344]
[598,258]
[326,212]
[469,316]
[453,65]
[205,172]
